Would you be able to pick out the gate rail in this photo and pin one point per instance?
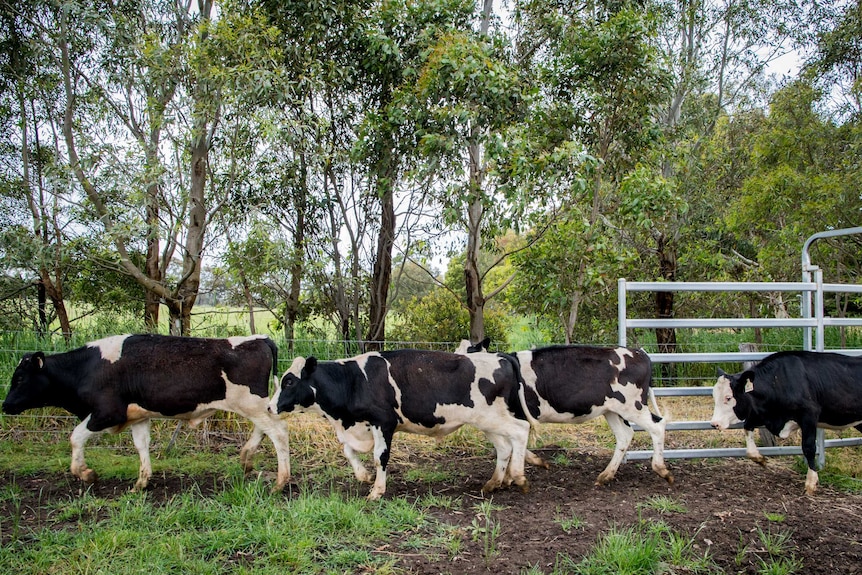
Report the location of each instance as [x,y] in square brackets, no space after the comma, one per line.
[815,323]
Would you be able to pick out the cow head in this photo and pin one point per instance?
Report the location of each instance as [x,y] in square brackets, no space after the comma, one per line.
[466,346]
[731,404]
[297,392]
[30,386]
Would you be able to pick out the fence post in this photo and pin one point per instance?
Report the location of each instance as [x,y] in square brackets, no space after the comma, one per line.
[621,312]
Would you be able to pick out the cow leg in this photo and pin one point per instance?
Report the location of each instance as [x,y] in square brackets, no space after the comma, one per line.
[504,455]
[355,440]
[751,450]
[246,454]
[382,446]
[276,429]
[809,450]
[656,430]
[141,437]
[534,459]
[511,447]
[623,434]
[80,436]
[518,439]
[359,470]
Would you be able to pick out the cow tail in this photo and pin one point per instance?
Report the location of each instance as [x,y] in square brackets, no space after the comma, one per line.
[649,386]
[654,403]
[534,425]
[274,349]
[522,396]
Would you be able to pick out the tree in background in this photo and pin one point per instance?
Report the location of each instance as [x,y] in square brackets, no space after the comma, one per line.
[603,80]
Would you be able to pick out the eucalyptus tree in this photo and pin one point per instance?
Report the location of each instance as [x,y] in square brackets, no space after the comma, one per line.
[30,182]
[131,75]
[468,92]
[602,80]
[804,179]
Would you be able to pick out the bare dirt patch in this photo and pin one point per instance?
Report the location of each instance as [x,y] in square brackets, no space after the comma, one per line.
[724,504]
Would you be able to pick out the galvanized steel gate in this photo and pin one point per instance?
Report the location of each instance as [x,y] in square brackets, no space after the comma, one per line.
[813,322]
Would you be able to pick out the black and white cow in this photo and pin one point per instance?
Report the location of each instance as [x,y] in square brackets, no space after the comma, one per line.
[790,390]
[369,397]
[573,384]
[123,381]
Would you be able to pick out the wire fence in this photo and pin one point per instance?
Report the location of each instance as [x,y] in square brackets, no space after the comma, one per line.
[52,425]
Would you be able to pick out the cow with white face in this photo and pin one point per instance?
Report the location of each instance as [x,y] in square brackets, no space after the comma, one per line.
[124,381]
[369,397]
[573,384]
[792,390]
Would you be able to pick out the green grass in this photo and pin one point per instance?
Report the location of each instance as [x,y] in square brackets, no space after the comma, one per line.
[571,523]
[772,553]
[663,504]
[244,528]
[643,549]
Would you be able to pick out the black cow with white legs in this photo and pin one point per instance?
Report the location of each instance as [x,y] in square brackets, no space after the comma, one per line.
[369,397]
[789,390]
[124,381]
[573,384]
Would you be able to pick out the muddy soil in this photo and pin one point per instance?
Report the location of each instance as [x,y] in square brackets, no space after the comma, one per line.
[721,505]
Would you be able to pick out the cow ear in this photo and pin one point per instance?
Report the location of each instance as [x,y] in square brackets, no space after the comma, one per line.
[38,359]
[744,382]
[310,366]
[721,372]
[486,343]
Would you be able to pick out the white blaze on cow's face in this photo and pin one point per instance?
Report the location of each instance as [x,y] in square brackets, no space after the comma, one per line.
[294,369]
[723,415]
[111,348]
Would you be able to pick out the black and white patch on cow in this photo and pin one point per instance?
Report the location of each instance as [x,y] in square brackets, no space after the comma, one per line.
[789,390]
[124,381]
[369,397]
[573,384]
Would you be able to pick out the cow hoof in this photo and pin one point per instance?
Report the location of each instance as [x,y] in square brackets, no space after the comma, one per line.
[375,495]
[366,478]
[534,459]
[524,487]
[89,476]
[603,479]
[490,487]
[761,461]
[669,478]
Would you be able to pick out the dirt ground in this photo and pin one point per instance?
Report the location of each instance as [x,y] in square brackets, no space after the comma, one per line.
[725,504]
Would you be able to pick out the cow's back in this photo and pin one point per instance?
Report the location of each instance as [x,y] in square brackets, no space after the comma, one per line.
[576,379]
[799,381]
[447,390]
[173,375]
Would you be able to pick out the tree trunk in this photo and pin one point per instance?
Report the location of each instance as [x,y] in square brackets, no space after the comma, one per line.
[664,301]
[291,307]
[472,277]
[189,284]
[475,211]
[47,289]
[382,274]
[152,300]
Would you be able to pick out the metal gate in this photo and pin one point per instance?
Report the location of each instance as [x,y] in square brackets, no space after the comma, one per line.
[813,321]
